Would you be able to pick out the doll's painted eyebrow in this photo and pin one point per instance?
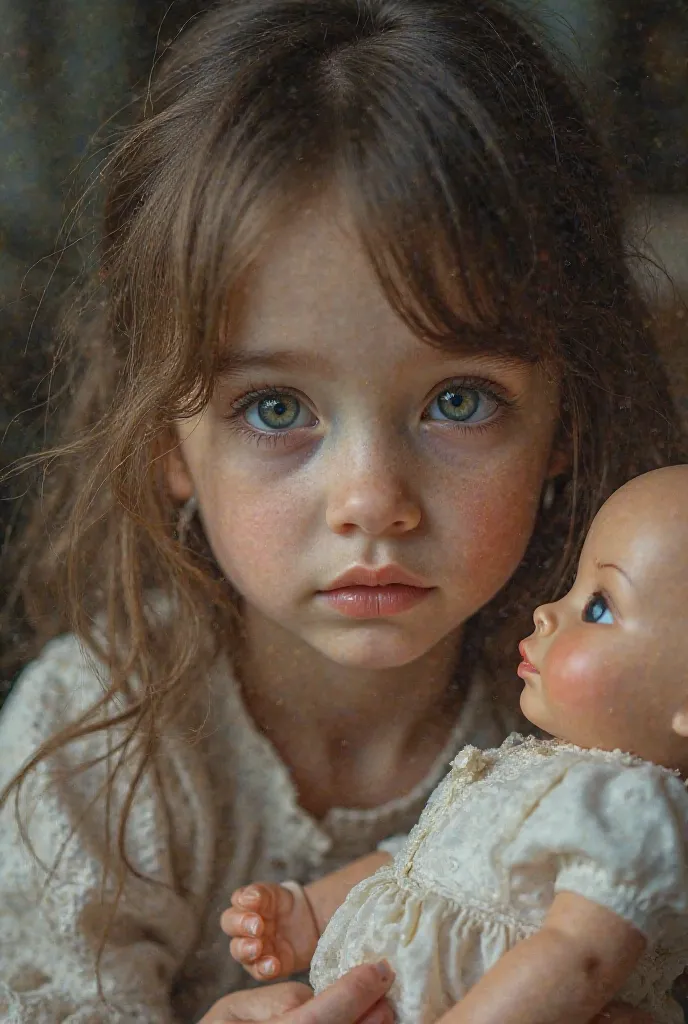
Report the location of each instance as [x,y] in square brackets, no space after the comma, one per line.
[613,565]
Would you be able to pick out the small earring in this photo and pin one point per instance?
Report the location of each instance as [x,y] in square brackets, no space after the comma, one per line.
[185,518]
[549,493]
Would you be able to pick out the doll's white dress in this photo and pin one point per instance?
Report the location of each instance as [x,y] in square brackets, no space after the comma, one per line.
[502,834]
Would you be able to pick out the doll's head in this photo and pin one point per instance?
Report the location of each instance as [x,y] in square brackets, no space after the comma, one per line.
[607,665]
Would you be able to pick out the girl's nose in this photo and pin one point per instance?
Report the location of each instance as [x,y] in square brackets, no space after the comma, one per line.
[373,498]
[545,619]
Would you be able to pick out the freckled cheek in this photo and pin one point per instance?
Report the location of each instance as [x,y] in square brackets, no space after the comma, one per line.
[495,516]
[252,531]
[577,677]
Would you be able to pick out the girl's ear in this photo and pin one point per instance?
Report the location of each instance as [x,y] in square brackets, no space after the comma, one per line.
[177,476]
[559,463]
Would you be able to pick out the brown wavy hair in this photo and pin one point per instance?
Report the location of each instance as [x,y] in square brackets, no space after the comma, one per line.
[471,172]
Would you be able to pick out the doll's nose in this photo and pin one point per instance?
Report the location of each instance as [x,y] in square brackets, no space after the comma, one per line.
[544,618]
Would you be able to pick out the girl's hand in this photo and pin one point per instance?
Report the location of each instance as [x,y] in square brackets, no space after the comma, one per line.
[357,998]
[272,929]
[619,1013]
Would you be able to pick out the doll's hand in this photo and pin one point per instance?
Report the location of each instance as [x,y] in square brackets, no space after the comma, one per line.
[272,929]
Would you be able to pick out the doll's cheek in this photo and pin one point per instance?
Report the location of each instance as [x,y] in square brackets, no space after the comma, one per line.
[576,677]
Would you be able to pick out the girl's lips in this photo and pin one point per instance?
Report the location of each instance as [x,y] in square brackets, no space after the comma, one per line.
[365,602]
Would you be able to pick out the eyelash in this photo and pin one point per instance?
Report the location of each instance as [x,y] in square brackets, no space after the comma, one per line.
[244,401]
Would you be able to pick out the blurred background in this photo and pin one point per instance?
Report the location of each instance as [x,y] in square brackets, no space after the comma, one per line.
[70,69]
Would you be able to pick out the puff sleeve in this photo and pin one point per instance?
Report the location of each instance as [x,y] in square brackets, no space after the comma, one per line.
[613,834]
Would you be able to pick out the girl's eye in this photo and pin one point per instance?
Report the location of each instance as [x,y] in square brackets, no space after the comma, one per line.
[598,611]
[460,404]
[279,411]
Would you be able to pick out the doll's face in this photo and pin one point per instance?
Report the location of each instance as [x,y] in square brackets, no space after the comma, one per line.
[607,665]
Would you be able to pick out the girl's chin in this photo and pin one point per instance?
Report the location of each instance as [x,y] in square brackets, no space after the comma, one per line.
[372,661]
[372,653]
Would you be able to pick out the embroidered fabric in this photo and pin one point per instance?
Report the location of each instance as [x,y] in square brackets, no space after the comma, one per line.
[502,834]
[222,812]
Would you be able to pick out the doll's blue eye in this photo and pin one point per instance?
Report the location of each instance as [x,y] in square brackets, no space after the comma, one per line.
[598,611]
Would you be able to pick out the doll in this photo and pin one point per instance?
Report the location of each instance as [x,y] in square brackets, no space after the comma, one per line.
[547,876]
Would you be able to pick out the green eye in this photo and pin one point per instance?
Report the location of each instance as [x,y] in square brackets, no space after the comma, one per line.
[462,405]
[275,412]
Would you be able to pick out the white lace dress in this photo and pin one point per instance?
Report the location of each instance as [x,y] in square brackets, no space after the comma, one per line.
[502,834]
[222,812]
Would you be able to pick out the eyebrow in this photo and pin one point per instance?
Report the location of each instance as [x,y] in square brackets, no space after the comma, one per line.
[613,565]
[232,363]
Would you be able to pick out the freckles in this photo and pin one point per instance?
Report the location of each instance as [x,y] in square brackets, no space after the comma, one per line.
[501,516]
[254,525]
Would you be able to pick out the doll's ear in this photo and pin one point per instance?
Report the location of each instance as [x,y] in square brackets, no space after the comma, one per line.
[679,722]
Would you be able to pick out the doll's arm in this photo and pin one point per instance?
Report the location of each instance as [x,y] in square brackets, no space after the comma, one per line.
[274,929]
[564,974]
[328,893]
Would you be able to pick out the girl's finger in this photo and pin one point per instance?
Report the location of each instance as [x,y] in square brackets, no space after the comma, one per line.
[620,1013]
[269,1004]
[381,1013]
[349,999]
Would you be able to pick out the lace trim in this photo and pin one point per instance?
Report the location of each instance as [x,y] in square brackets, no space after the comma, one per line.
[616,756]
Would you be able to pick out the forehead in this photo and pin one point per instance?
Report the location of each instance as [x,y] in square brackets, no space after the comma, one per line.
[313,270]
[314,293]
[648,542]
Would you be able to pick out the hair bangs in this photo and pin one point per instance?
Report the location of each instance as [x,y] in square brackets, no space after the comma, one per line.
[448,223]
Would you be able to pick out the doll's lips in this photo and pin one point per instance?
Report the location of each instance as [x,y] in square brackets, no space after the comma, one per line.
[526,668]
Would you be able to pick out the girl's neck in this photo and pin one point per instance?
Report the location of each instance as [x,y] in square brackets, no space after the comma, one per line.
[350,736]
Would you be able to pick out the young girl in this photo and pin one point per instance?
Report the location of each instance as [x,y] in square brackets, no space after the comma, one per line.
[545,874]
[363,360]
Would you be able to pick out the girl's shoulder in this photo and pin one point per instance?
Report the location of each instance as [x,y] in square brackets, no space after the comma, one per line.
[62,682]
[51,694]
[60,709]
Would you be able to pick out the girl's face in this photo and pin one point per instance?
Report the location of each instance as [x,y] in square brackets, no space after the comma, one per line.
[336,439]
